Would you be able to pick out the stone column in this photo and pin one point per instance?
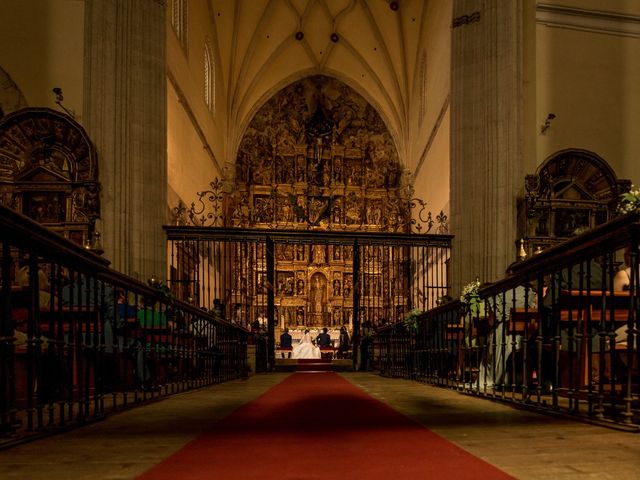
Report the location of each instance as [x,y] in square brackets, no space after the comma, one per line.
[486,137]
[125,115]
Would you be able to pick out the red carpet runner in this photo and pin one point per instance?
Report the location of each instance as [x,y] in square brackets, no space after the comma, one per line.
[319,426]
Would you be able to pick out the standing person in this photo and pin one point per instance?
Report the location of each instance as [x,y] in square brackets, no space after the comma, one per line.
[344,342]
[286,342]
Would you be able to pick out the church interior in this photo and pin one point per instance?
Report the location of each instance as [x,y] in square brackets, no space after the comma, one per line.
[239,236]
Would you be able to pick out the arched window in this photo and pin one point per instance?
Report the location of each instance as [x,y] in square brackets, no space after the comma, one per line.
[423,87]
[209,78]
[179,20]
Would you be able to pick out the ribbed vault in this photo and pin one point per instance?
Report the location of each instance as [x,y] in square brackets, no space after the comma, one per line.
[377,47]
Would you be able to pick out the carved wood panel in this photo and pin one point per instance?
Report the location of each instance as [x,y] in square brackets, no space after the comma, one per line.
[49,171]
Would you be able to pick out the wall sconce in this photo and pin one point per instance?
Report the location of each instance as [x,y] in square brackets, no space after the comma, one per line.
[59,100]
[547,123]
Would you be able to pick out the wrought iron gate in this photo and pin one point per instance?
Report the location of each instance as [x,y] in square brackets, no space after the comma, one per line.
[270,280]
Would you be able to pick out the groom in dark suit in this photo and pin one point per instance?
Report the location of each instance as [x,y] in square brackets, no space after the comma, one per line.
[285,342]
[323,339]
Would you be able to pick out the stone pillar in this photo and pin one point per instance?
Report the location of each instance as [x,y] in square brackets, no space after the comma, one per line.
[125,115]
[486,137]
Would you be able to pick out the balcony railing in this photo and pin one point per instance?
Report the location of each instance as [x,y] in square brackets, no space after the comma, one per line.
[559,333]
[79,340]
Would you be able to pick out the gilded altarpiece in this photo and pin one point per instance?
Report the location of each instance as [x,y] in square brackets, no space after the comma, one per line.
[317,156]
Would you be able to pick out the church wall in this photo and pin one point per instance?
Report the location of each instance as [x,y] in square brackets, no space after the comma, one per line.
[589,81]
[631,7]
[189,167]
[432,182]
[50,33]
[195,140]
[430,160]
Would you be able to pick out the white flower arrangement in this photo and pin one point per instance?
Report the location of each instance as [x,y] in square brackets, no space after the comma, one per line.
[629,201]
[469,292]
[411,319]
[471,298]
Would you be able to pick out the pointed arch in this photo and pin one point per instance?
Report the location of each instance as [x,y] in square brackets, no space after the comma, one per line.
[209,77]
[180,21]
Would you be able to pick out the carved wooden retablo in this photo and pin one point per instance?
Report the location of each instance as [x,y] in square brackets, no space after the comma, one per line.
[48,171]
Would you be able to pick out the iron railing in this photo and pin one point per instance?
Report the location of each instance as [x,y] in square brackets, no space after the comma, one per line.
[268,280]
[78,339]
[559,333]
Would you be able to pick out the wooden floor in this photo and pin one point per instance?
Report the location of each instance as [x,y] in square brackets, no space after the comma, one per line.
[524,444]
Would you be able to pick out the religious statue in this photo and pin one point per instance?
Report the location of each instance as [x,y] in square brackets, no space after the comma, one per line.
[318,293]
[319,254]
[336,288]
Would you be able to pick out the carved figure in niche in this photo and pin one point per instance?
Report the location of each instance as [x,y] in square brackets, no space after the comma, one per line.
[336,288]
[319,254]
[337,316]
[260,283]
[300,316]
[315,171]
[353,213]
[300,287]
[288,287]
[337,211]
[286,211]
[348,253]
[280,252]
[347,286]
[373,213]
[297,129]
[301,169]
[354,174]
[326,176]
[337,170]
[300,255]
[315,208]
[336,252]
[301,209]
[318,293]
[263,210]
[85,200]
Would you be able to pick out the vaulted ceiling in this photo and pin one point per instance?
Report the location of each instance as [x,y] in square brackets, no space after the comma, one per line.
[378,47]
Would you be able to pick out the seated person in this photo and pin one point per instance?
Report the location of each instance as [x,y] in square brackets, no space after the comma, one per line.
[286,342]
[323,339]
[44,287]
[305,348]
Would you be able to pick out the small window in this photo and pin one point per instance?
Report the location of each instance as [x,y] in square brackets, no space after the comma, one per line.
[209,78]
[179,20]
[423,87]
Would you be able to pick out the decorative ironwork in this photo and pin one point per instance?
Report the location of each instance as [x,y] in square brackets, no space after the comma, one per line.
[214,217]
[218,207]
[333,169]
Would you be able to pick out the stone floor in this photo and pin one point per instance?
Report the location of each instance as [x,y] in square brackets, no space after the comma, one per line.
[524,444]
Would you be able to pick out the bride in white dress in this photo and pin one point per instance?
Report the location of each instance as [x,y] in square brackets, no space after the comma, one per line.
[305,348]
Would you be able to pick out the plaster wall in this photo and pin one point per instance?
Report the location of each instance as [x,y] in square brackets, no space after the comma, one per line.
[189,167]
[430,159]
[50,33]
[193,129]
[432,182]
[590,82]
[631,7]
